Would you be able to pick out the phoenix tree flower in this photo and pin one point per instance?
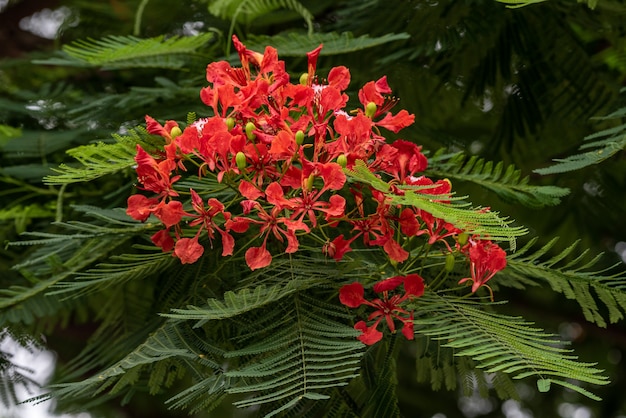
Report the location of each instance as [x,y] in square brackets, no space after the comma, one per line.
[278,156]
[387,306]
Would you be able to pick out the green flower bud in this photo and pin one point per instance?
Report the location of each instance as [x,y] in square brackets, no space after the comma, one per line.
[342,160]
[304,78]
[370,109]
[240,159]
[230,123]
[249,128]
[309,182]
[175,132]
[449,262]
[299,137]
[462,238]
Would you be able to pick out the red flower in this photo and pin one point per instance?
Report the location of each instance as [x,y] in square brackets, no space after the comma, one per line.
[486,259]
[387,307]
[155,175]
[206,218]
[271,224]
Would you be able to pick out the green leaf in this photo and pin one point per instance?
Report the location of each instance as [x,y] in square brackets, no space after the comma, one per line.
[506,183]
[603,144]
[302,351]
[297,44]
[574,278]
[122,52]
[499,343]
[247,11]
[97,160]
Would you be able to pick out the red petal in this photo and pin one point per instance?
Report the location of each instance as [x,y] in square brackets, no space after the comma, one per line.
[408,328]
[228,243]
[333,175]
[341,246]
[163,240]
[171,213]
[258,257]
[414,285]
[339,77]
[395,251]
[188,250]
[396,122]
[249,191]
[140,207]
[370,334]
[388,284]
[351,295]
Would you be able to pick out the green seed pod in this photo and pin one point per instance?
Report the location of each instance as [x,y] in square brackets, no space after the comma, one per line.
[299,137]
[249,128]
[342,160]
[304,79]
[449,262]
[175,132]
[230,123]
[462,238]
[370,109]
[240,159]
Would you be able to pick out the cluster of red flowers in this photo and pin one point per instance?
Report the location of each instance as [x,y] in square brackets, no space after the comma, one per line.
[284,146]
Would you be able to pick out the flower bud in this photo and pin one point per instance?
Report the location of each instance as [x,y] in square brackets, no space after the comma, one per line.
[230,123]
[462,238]
[240,159]
[299,137]
[249,128]
[449,262]
[175,132]
[304,78]
[309,182]
[370,109]
[342,160]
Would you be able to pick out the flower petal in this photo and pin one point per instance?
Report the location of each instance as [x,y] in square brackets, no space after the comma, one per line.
[351,295]
[188,250]
[370,335]
[414,285]
[258,257]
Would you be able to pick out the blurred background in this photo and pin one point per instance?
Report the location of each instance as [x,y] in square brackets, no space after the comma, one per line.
[523,85]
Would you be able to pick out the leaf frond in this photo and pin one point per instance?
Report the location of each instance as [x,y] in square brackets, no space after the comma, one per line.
[296,44]
[499,343]
[122,52]
[506,182]
[574,277]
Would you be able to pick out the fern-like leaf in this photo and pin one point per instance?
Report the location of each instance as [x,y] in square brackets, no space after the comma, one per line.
[98,160]
[302,351]
[575,279]
[499,343]
[296,44]
[167,341]
[122,52]
[506,183]
[246,11]
[602,145]
[237,303]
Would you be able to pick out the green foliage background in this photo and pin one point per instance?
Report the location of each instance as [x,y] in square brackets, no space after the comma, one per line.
[487,83]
